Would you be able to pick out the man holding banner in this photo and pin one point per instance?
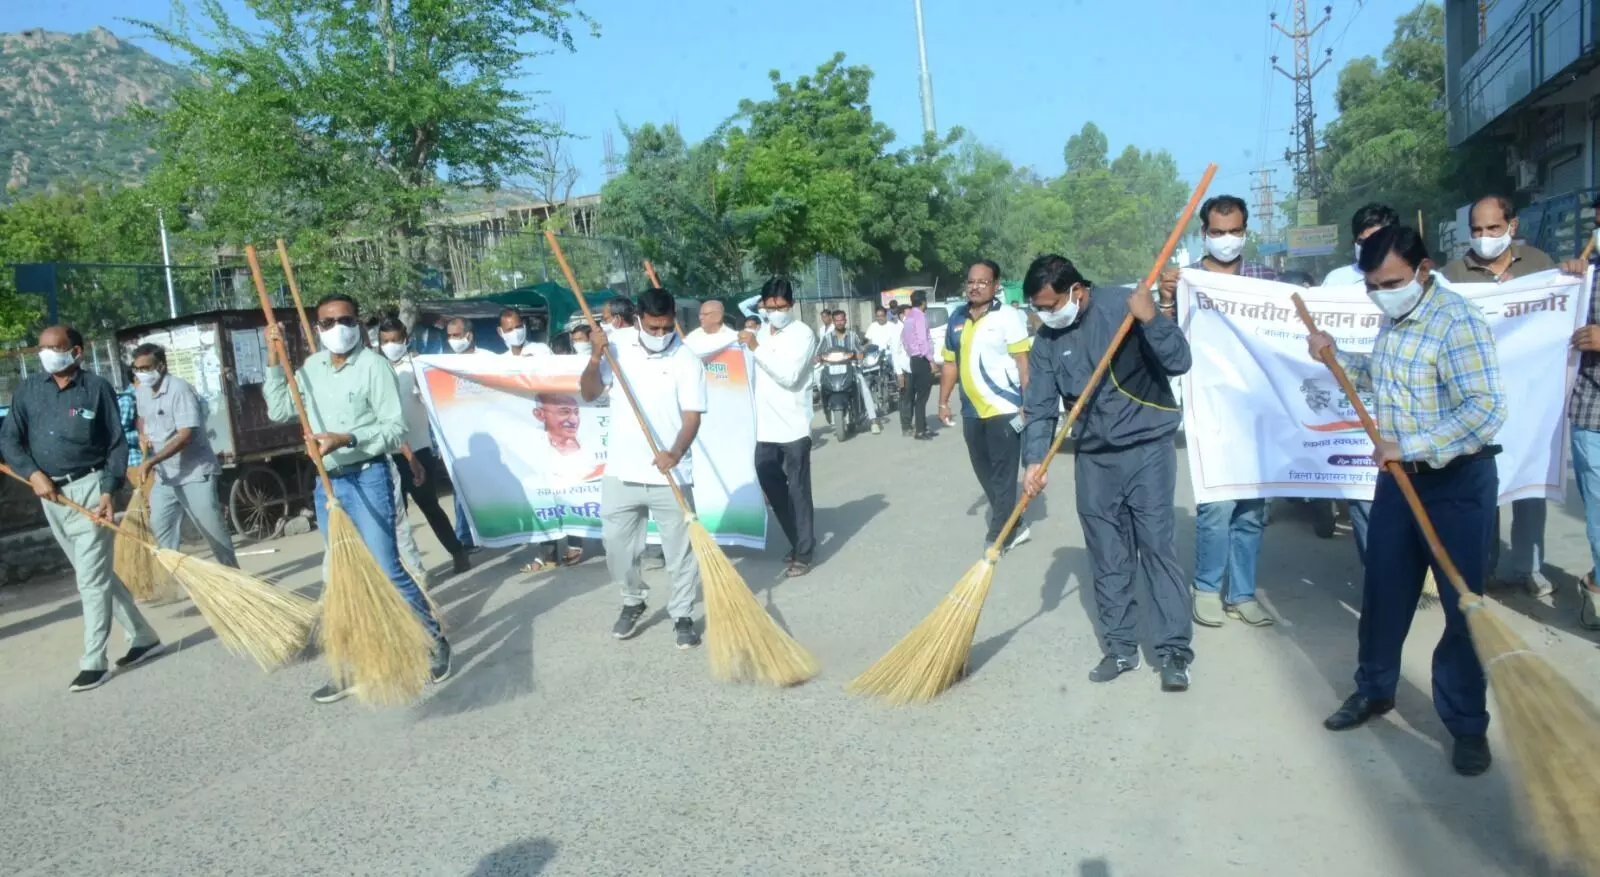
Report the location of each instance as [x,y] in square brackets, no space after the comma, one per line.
[1439,402]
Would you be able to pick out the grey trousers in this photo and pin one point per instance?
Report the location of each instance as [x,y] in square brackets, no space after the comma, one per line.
[197,499]
[88,547]
[1125,502]
[625,510]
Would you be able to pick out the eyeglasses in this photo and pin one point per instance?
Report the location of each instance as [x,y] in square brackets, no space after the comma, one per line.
[349,322]
[979,284]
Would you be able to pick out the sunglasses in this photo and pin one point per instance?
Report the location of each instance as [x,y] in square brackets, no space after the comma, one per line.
[349,322]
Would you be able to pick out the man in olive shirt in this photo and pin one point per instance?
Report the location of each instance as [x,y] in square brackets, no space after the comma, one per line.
[353,402]
[64,434]
[180,467]
[1495,257]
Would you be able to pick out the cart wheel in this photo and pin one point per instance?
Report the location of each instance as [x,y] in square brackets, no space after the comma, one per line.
[256,501]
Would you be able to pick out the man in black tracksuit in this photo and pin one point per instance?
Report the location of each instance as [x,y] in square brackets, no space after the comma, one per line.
[1126,462]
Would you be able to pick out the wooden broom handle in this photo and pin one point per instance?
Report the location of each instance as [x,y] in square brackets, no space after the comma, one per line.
[294,291]
[288,372]
[1104,364]
[611,357]
[63,499]
[1400,478]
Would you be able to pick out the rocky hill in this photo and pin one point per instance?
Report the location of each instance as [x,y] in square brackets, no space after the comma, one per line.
[63,108]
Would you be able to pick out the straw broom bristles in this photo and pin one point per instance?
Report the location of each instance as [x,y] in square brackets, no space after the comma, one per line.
[373,640]
[131,558]
[268,624]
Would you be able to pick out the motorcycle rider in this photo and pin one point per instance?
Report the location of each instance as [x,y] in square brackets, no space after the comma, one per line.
[843,339]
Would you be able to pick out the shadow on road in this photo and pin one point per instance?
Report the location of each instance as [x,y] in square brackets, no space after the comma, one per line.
[1094,868]
[521,859]
[1066,561]
[70,609]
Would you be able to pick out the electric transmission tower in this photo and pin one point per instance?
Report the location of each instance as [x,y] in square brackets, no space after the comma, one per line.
[1265,209]
[1303,156]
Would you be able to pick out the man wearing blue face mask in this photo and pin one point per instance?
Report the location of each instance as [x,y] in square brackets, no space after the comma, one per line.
[1438,402]
[1126,461]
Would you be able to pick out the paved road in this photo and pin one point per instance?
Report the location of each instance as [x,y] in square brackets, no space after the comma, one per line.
[558,751]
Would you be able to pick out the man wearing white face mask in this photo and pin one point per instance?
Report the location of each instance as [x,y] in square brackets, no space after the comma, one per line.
[1227,539]
[459,336]
[782,350]
[514,332]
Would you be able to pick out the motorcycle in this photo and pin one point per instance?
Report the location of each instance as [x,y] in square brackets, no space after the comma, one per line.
[841,393]
[879,372]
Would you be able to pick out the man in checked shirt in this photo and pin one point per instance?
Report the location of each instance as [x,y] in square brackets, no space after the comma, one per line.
[1438,402]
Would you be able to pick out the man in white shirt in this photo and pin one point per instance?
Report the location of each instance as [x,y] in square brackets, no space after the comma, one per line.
[783,348]
[515,335]
[669,384]
[884,334]
[458,334]
[1367,220]
[713,334]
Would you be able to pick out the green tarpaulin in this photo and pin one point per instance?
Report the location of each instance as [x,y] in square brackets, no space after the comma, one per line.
[556,299]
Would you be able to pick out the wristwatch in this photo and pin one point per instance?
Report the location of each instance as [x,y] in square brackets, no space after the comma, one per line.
[352,442]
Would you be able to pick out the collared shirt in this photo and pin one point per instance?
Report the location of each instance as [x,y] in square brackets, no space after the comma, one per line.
[704,343]
[665,384]
[985,353]
[1343,275]
[171,406]
[831,341]
[532,348]
[130,428]
[783,383]
[1246,269]
[914,335]
[1525,260]
[416,413]
[361,398]
[64,430]
[885,336]
[1434,379]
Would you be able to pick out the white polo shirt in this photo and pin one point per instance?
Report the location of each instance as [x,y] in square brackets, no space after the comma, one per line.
[783,382]
[666,385]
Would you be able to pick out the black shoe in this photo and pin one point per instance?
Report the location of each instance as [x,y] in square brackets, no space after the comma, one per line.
[333,692]
[628,622]
[687,638]
[439,661]
[1470,756]
[88,680]
[463,562]
[1112,666]
[138,655]
[1174,673]
[1355,711]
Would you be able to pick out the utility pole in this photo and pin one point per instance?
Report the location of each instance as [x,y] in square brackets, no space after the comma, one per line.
[613,164]
[1265,209]
[166,262]
[926,81]
[1304,154]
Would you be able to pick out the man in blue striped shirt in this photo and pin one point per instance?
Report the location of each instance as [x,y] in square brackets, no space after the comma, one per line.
[1438,401]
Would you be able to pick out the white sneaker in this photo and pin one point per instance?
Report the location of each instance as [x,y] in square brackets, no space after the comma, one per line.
[1018,536]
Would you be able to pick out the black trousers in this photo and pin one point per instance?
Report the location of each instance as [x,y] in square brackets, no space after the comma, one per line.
[1461,503]
[784,471]
[995,450]
[914,407]
[426,496]
[1125,499]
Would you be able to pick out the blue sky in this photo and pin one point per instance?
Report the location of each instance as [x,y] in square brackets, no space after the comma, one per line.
[1186,76]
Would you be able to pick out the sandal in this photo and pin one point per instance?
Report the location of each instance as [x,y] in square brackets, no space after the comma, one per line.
[796,570]
[573,557]
[534,567]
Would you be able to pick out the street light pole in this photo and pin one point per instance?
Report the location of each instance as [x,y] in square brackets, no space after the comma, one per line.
[926,84]
[166,263]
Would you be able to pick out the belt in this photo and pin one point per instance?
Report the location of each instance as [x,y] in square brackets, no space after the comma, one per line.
[352,468]
[1487,452]
[73,476]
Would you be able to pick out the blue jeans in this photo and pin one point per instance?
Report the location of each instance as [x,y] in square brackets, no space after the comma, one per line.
[1360,511]
[463,529]
[368,498]
[1527,540]
[1586,471]
[1227,539]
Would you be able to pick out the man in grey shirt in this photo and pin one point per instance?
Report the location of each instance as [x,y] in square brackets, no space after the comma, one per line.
[179,466]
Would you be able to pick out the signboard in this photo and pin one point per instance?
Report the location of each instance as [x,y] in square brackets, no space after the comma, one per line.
[1305,215]
[1316,240]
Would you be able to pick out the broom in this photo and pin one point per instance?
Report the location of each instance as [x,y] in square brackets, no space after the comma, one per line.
[131,559]
[743,642]
[1553,730]
[251,617]
[374,642]
[934,654]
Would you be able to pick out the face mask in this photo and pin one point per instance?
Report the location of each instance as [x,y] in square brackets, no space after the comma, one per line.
[393,351]
[147,378]
[340,339]
[1226,248]
[582,347]
[1062,318]
[461,344]
[780,319]
[656,343]
[1491,247]
[516,337]
[608,329]
[1396,303]
[54,361]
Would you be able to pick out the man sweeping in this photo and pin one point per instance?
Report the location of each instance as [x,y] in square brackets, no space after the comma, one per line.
[782,350]
[180,466]
[1126,462]
[669,382]
[64,434]
[1438,401]
[353,403]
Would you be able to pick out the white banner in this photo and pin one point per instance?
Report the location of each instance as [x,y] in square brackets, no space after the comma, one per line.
[1262,419]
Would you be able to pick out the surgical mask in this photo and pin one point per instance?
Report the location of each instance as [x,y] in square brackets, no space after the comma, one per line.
[582,347]
[516,337]
[780,319]
[147,378]
[656,343]
[1063,317]
[1396,303]
[607,328]
[1491,247]
[394,351]
[1226,248]
[461,344]
[340,339]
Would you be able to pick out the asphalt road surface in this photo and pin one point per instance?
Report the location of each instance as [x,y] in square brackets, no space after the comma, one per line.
[556,750]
